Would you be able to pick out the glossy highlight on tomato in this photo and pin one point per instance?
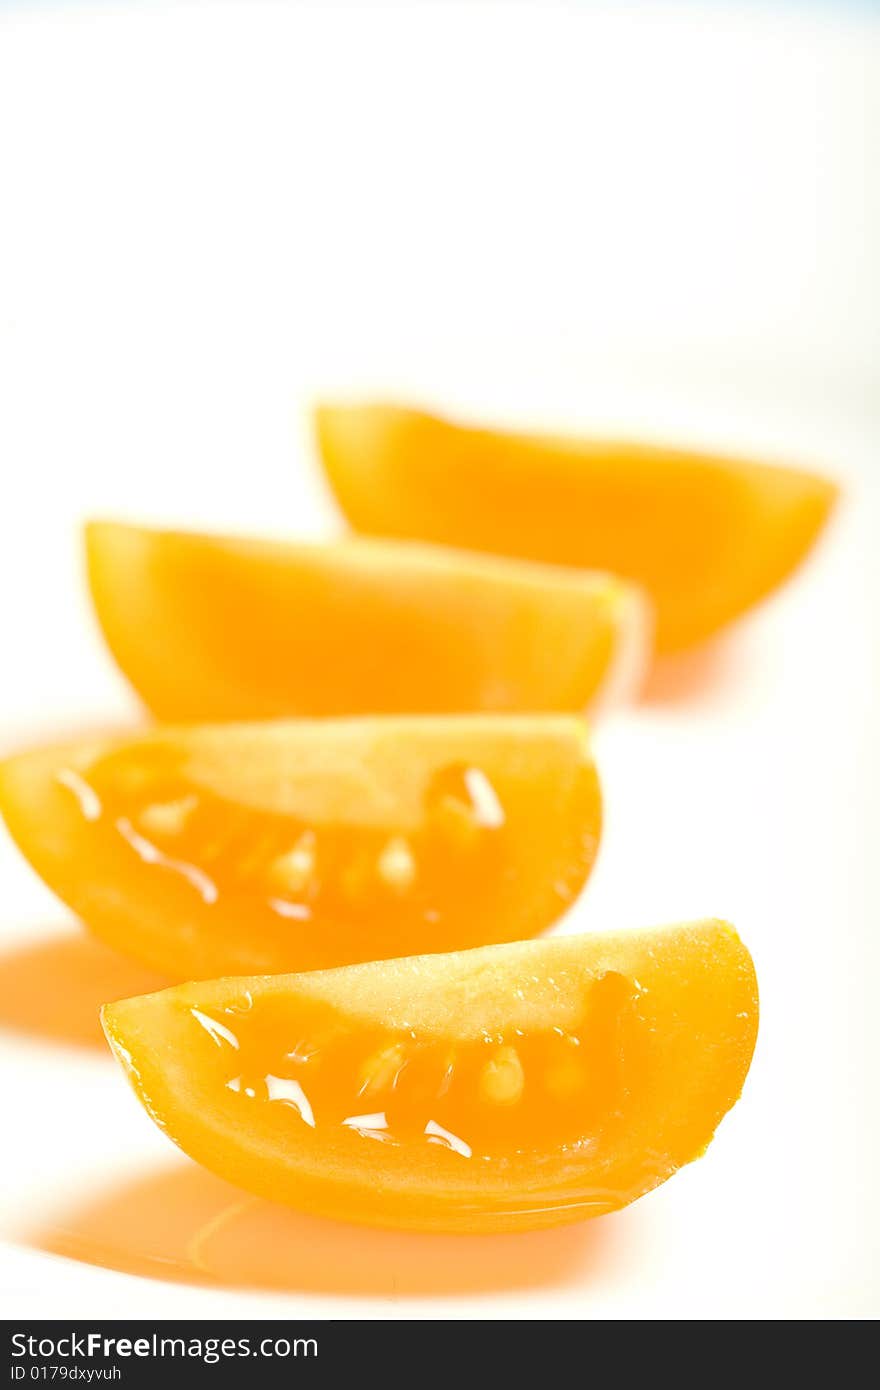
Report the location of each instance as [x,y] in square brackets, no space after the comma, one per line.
[229,849]
[501,1088]
[705,536]
[212,627]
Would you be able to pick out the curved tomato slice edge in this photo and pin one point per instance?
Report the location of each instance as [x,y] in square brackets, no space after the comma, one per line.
[501,1088]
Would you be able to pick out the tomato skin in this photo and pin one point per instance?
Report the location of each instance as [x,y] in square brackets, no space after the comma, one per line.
[705,536]
[676,1026]
[230,849]
[220,628]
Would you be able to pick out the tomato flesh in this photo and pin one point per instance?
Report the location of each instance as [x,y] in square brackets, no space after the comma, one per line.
[508,1086]
[487,1097]
[226,849]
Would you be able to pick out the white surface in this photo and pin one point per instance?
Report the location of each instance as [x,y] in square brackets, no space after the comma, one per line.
[660,219]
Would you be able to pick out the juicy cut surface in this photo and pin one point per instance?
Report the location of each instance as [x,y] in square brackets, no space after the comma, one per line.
[225,849]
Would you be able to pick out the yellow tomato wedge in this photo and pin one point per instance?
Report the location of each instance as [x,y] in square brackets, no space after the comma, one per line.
[229,849]
[705,536]
[209,627]
[496,1089]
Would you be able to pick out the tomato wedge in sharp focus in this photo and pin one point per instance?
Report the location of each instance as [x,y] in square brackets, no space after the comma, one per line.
[210,627]
[501,1088]
[229,849]
[706,536]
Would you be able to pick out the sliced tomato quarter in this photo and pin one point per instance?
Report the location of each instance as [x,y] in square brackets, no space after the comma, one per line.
[500,1088]
[706,536]
[229,849]
[210,627]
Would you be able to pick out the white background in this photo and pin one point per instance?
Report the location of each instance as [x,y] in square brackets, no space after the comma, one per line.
[659,219]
